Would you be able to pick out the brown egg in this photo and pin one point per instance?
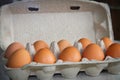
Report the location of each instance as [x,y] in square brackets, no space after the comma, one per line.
[113,50]
[12,48]
[85,42]
[63,44]
[19,58]
[93,52]
[45,56]
[71,54]
[40,44]
[107,42]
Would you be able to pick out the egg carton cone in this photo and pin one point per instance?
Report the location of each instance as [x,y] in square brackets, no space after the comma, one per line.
[53,20]
[46,73]
[17,74]
[70,72]
[114,68]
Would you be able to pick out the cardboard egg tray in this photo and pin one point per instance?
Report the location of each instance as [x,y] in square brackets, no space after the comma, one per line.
[68,70]
[53,20]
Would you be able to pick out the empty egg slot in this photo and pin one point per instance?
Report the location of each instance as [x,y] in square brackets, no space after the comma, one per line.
[75,7]
[33,9]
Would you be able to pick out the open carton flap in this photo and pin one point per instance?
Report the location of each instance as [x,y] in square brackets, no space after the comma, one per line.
[52,20]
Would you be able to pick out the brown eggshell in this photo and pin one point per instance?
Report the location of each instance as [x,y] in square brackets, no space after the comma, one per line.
[40,44]
[12,48]
[93,52]
[113,50]
[63,44]
[107,42]
[85,42]
[71,54]
[44,56]
[19,58]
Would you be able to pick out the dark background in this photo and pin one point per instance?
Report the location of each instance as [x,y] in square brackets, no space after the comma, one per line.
[115,14]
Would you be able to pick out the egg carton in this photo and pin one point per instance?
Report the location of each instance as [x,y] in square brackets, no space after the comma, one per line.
[28,21]
[68,70]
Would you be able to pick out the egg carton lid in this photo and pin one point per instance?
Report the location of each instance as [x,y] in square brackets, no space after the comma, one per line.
[52,20]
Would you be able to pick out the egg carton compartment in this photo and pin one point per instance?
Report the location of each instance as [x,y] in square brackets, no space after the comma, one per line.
[54,20]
